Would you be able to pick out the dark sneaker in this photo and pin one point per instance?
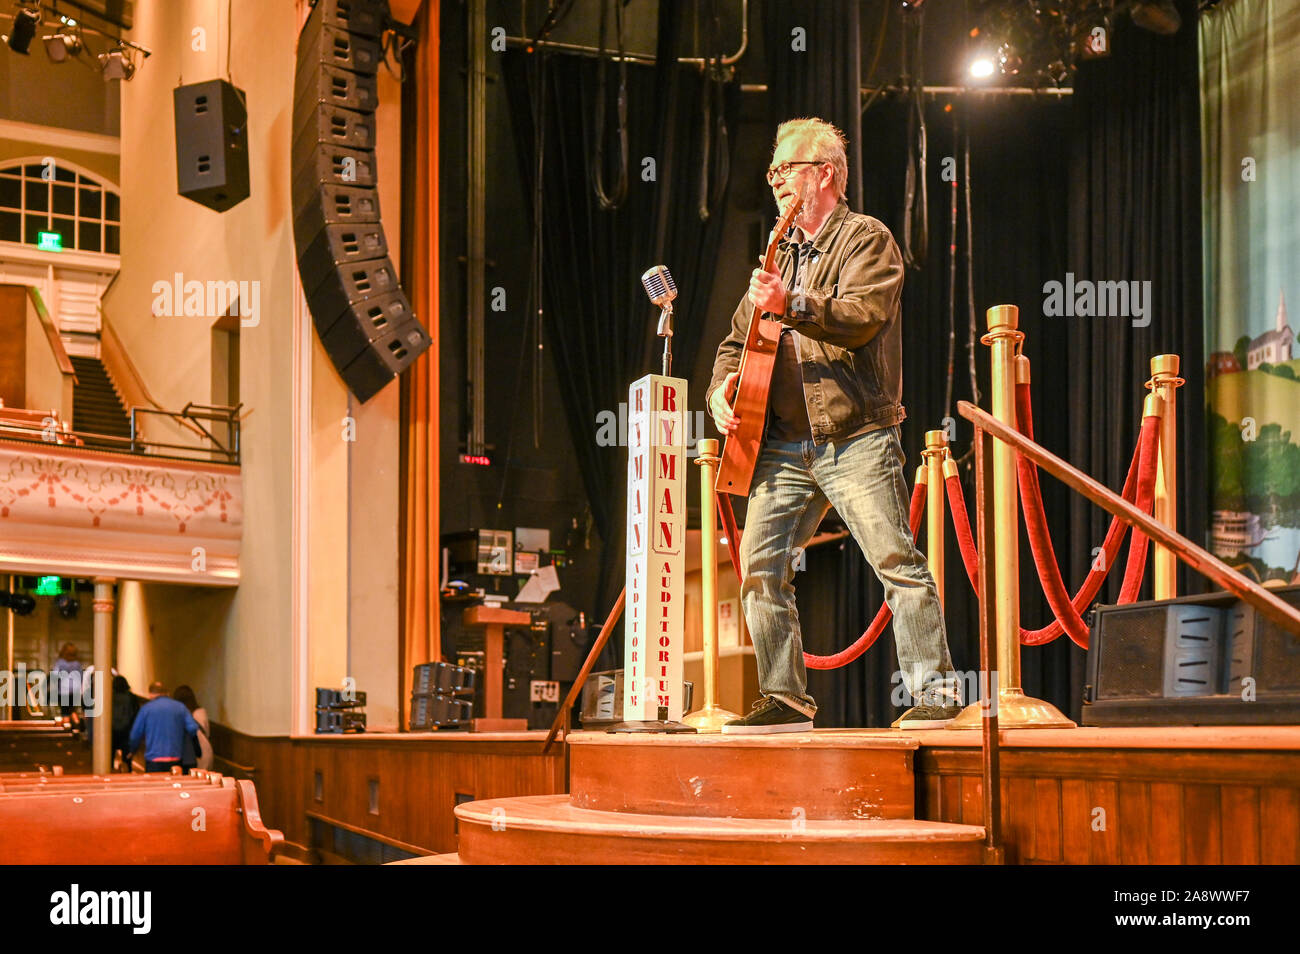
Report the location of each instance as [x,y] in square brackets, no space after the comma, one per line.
[769,715]
[927,717]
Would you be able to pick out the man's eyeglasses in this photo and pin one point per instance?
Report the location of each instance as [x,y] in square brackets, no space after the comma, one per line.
[785,168]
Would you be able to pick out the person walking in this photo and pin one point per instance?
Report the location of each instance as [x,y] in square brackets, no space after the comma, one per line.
[161,726]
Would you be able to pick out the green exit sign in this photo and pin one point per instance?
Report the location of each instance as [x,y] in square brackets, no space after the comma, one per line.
[49,586]
[49,241]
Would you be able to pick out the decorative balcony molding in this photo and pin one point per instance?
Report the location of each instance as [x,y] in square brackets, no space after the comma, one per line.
[78,512]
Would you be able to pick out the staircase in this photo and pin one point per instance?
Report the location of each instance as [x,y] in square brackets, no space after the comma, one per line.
[824,797]
[96,408]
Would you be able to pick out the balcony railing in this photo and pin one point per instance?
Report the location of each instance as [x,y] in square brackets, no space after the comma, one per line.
[215,428]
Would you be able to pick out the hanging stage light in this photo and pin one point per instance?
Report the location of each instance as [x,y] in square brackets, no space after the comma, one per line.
[117,64]
[65,44]
[21,603]
[67,605]
[26,20]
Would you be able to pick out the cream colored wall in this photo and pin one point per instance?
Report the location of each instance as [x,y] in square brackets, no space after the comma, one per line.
[102,164]
[246,676]
[242,667]
[174,634]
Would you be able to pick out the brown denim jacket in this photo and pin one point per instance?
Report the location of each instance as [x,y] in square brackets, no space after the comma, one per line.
[848,322]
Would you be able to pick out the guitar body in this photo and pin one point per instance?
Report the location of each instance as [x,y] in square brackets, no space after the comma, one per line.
[740,453]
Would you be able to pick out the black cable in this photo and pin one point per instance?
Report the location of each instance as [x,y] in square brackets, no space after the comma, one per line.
[608,202]
[952,283]
[915,199]
[966,459]
[713,173]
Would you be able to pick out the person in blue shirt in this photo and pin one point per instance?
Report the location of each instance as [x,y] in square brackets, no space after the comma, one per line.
[162,725]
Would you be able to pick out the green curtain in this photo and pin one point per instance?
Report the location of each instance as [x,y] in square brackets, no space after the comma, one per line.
[1250,118]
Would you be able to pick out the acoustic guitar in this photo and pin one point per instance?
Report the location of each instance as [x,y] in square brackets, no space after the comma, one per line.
[740,453]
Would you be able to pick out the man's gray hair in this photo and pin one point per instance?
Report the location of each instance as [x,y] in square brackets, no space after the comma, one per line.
[825,144]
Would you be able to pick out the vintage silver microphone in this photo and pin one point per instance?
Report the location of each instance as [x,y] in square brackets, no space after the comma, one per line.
[659,285]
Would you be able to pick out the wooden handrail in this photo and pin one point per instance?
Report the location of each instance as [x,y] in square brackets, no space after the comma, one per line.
[51,333]
[1200,560]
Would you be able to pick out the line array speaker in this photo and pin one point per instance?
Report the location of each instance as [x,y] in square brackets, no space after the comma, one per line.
[362,317]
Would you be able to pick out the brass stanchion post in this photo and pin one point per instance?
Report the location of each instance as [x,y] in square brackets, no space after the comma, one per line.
[936,450]
[1165,383]
[1015,709]
[710,717]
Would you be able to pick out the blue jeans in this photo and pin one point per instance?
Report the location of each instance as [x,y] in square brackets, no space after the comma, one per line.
[862,478]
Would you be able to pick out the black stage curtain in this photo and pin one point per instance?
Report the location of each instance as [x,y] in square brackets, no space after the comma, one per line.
[1105,185]
[599,325]
[825,84]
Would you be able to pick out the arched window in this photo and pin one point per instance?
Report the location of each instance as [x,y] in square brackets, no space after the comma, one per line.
[43,198]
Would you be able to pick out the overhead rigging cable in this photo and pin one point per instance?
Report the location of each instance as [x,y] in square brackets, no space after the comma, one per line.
[713,173]
[915,202]
[609,202]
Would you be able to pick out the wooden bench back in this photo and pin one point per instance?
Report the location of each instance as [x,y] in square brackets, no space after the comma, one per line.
[214,823]
[101,783]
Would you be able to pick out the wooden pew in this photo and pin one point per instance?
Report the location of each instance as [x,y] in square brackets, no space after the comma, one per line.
[26,744]
[124,824]
[103,783]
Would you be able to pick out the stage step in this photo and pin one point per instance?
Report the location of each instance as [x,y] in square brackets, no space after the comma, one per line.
[824,775]
[548,829]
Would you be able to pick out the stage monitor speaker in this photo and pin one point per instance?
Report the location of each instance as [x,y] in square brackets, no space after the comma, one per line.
[211,120]
[1197,660]
[1263,658]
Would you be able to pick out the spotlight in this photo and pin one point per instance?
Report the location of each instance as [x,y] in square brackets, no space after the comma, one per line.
[26,20]
[116,64]
[65,44]
[21,603]
[981,67]
[67,605]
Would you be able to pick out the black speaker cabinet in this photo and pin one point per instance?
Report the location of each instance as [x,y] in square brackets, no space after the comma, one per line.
[211,143]
[345,288]
[1198,660]
[337,246]
[360,312]
[364,17]
[384,359]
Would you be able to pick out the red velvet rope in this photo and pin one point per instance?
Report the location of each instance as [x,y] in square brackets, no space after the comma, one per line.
[1137,543]
[864,642]
[1110,546]
[883,615]
[1139,489]
[1040,540]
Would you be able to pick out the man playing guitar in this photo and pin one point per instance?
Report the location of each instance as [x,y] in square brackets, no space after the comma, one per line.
[832,434]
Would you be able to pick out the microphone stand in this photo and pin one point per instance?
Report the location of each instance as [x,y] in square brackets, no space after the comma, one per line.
[666,332]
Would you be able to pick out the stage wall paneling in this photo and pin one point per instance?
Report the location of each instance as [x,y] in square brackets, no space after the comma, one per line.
[419,778]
